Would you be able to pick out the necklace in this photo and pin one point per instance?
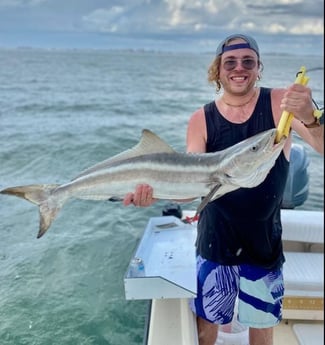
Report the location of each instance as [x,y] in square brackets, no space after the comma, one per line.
[239,105]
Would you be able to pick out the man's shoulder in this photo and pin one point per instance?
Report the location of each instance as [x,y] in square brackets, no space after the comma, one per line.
[277,93]
[198,115]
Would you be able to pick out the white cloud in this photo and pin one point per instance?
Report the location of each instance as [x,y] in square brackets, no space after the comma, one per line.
[307,27]
[275,28]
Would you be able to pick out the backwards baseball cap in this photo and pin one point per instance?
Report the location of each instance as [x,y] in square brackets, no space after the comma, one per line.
[225,46]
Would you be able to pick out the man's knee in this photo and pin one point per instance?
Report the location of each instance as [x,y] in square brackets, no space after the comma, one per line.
[207,332]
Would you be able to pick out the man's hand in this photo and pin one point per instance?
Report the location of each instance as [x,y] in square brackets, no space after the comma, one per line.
[142,197]
[297,100]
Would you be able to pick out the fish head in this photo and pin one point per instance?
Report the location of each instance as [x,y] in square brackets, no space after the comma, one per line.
[250,161]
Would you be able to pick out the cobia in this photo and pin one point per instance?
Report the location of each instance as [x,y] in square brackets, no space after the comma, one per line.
[173,175]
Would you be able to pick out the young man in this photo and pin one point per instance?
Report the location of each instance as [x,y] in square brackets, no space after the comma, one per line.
[239,246]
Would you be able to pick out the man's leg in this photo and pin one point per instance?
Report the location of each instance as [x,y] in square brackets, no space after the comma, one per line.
[260,301]
[207,332]
[215,300]
[261,336]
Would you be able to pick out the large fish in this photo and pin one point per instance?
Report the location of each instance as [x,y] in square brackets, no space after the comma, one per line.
[172,175]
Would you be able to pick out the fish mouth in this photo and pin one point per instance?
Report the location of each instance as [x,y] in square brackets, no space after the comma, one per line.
[278,145]
[274,146]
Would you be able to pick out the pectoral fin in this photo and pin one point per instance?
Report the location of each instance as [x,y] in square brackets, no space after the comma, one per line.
[208,198]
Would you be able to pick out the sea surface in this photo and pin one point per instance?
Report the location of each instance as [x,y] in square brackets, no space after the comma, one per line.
[62,111]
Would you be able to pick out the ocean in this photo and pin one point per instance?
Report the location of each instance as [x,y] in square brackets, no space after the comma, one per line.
[62,111]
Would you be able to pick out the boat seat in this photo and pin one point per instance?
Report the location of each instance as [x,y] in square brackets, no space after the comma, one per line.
[303,269]
[304,286]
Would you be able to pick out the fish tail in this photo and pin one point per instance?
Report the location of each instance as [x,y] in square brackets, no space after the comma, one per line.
[38,195]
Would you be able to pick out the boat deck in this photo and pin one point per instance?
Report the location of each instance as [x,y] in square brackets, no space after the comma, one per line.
[172,322]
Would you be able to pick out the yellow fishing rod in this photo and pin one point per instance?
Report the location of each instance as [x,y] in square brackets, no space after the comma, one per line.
[286,117]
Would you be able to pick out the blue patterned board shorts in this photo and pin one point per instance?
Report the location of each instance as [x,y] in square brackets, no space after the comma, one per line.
[258,291]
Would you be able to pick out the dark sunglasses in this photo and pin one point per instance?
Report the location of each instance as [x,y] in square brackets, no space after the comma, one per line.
[231,64]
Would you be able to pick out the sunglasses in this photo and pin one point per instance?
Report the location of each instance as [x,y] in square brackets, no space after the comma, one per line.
[247,63]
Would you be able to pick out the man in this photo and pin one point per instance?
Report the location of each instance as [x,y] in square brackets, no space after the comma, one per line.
[239,246]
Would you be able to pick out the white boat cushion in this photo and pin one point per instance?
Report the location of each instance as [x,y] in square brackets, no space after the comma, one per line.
[304,274]
[303,226]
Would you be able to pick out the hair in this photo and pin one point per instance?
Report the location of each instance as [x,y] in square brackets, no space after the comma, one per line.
[214,71]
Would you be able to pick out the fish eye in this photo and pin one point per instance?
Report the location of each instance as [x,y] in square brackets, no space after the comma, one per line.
[254,148]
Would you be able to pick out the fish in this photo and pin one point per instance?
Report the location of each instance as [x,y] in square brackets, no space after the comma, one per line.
[173,175]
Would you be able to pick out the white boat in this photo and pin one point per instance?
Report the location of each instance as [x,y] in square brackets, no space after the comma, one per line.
[169,280]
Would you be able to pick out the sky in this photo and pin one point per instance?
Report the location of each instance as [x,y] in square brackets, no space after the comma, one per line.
[294,26]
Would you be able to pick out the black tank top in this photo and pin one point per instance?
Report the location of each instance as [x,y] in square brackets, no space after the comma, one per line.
[244,226]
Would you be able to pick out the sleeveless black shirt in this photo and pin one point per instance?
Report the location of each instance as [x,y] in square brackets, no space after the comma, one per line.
[244,226]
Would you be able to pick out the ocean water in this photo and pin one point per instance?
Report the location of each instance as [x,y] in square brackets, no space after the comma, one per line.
[62,111]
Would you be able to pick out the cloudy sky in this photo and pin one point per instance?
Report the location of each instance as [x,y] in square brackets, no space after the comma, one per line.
[278,25]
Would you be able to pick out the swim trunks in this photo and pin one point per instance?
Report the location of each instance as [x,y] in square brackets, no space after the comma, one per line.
[258,292]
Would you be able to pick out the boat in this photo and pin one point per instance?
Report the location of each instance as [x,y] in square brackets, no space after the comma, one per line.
[167,253]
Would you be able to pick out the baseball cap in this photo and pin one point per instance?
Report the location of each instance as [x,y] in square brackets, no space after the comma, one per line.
[250,44]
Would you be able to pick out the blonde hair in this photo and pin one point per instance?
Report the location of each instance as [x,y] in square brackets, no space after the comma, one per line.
[213,73]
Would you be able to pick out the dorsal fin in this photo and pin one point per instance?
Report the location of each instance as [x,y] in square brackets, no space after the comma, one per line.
[149,143]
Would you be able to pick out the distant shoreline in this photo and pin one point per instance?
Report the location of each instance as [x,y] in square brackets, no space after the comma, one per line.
[139,51]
